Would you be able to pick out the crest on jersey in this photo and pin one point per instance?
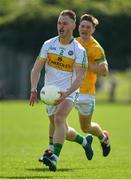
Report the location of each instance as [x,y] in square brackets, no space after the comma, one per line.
[70,53]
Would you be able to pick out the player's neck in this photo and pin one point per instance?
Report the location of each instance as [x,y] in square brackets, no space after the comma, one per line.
[66,41]
[85,39]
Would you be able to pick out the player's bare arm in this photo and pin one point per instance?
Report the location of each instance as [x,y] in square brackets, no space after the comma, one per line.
[101,68]
[35,75]
[80,72]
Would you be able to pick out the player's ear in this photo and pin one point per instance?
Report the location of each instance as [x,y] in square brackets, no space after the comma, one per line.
[79,27]
[93,30]
[74,26]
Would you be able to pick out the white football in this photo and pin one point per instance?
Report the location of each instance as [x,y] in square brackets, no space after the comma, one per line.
[49,94]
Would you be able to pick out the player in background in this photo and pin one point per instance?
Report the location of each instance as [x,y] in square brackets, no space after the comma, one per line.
[65,64]
[97,66]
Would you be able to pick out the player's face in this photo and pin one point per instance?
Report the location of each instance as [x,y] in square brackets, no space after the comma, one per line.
[86,29]
[65,26]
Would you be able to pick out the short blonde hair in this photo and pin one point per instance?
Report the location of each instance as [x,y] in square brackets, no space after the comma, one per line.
[69,13]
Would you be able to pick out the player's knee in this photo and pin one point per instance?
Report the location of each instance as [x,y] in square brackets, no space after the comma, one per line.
[85,129]
[58,120]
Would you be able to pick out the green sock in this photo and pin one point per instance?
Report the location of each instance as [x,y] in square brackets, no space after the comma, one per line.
[79,139]
[50,140]
[57,149]
[101,136]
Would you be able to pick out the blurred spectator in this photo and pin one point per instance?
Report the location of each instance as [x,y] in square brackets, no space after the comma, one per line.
[2,92]
[112,88]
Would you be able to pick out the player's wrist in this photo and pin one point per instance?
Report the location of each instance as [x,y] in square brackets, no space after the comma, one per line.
[67,93]
[93,67]
[33,90]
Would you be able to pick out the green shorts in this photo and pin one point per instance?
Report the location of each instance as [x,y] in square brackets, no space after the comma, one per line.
[85,104]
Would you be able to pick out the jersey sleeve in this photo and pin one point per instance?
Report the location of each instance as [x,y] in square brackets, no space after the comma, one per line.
[99,54]
[81,57]
[43,52]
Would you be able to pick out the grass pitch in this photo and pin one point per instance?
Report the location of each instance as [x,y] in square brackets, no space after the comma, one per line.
[24,135]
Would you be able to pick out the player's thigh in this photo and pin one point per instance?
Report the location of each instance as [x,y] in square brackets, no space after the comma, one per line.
[64,109]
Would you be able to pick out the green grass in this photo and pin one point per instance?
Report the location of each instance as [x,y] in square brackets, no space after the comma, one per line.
[24,135]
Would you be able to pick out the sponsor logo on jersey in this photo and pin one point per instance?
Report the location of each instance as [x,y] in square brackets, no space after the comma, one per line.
[59,59]
[52,48]
[62,63]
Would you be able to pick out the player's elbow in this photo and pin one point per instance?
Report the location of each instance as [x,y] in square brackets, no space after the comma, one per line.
[105,72]
[33,72]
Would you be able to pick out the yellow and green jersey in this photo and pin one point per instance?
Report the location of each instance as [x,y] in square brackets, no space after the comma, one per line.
[95,53]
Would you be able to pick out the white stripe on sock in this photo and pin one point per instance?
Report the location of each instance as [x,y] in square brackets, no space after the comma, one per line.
[84,142]
[55,156]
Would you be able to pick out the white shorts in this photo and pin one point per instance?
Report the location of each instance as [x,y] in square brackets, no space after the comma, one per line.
[51,110]
[85,104]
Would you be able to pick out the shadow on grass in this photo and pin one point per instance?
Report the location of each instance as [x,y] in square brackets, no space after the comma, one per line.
[30,177]
[58,170]
[26,177]
[39,170]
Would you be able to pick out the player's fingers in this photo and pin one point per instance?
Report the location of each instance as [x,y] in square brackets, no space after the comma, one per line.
[33,98]
[61,93]
[58,101]
[31,102]
[36,100]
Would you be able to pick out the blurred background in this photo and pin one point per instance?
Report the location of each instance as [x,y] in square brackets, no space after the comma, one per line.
[26,24]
